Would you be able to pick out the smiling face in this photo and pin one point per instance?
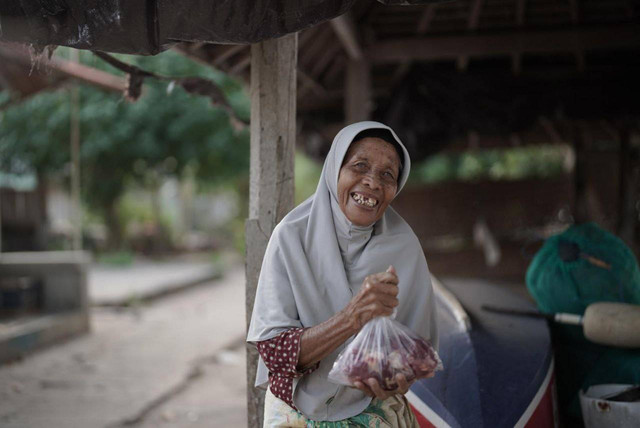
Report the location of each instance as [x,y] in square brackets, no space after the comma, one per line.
[368,180]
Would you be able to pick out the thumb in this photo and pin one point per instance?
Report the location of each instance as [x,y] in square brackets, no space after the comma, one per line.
[391,269]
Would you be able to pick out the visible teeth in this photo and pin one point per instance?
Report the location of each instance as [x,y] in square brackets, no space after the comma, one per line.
[362,200]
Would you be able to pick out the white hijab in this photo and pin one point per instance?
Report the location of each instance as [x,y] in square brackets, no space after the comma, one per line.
[315,263]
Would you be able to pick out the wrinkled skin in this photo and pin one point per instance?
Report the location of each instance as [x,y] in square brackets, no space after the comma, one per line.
[371,168]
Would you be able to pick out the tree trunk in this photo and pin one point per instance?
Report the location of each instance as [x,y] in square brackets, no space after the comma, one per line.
[114,225]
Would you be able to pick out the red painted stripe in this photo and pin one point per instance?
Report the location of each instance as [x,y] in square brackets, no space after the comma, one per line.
[544,416]
[422,421]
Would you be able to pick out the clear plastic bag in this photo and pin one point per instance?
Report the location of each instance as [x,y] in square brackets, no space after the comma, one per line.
[383,349]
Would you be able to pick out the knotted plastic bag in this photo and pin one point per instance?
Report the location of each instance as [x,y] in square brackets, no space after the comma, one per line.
[383,349]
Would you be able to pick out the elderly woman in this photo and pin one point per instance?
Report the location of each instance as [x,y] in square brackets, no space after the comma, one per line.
[338,260]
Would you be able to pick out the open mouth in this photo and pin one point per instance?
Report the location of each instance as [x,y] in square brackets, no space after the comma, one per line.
[363,200]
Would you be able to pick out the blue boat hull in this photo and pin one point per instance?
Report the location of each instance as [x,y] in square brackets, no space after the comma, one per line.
[498,369]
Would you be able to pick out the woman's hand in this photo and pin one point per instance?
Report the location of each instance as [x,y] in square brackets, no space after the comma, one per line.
[377,297]
[373,389]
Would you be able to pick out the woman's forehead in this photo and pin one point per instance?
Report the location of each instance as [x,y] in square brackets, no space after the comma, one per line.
[372,147]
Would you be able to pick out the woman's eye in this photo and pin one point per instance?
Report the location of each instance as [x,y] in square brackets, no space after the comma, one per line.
[361,165]
[387,174]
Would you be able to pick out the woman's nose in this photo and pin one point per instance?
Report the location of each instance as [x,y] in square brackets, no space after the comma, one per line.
[371,181]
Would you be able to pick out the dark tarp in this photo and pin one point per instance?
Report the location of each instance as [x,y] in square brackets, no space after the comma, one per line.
[150,26]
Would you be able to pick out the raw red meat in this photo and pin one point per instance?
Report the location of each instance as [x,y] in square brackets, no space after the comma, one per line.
[383,349]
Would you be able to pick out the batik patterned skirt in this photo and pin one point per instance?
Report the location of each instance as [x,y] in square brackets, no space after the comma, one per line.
[394,412]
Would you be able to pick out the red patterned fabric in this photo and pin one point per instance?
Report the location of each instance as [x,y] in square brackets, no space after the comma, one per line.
[280,355]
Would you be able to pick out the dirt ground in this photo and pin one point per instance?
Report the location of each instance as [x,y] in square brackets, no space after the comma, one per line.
[177,361]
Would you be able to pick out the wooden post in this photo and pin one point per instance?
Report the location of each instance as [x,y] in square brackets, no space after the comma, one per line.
[358,100]
[273,131]
[0,221]
[75,161]
[629,192]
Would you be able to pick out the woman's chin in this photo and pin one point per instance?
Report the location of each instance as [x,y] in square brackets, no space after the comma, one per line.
[361,216]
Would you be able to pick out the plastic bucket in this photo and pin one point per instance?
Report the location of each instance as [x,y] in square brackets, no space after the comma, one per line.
[598,411]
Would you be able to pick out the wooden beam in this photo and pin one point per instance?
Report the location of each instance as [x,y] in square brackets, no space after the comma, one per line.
[324,60]
[400,72]
[310,82]
[507,43]
[306,35]
[573,8]
[358,99]
[629,193]
[521,6]
[551,130]
[580,61]
[333,72]
[273,133]
[423,27]
[71,69]
[346,32]
[240,66]
[462,63]
[427,17]
[230,51]
[316,45]
[474,15]
[516,63]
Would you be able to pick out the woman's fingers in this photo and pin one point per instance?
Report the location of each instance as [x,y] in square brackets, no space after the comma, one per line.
[382,298]
[377,390]
[378,296]
[364,388]
[403,384]
[381,288]
[384,277]
[372,388]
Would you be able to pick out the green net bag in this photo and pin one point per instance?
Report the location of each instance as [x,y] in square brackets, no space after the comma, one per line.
[570,286]
[566,281]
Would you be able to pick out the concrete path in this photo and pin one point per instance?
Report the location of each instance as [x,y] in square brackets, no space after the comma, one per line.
[175,362]
[116,285]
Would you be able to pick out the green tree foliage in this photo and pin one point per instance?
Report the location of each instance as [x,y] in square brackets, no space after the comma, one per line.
[517,163]
[166,132]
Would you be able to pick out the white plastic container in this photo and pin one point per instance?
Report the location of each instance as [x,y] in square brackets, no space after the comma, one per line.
[599,412]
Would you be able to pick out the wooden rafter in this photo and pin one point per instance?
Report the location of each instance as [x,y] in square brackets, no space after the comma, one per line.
[208,54]
[521,6]
[508,43]
[573,8]
[474,15]
[462,63]
[426,18]
[309,82]
[346,32]
[316,45]
[240,66]
[423,27]
[400,72]
[70,69]
[228,53]
[307,35]
[551,130]
[516,63]
[580,60]
[323,61]
[334,70]
[358,93]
